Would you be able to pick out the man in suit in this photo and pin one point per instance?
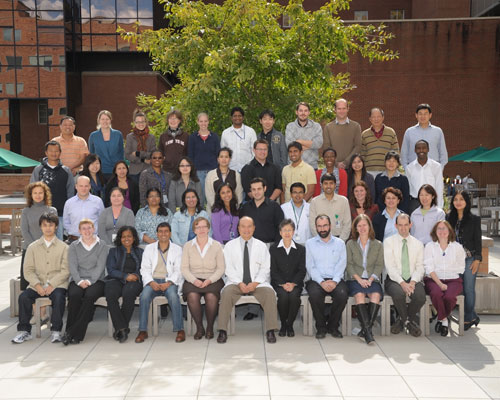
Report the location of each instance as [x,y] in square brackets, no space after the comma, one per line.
[248,272]
[404,262]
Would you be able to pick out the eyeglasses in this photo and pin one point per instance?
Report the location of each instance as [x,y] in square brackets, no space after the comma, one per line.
[140,122]
[185,166]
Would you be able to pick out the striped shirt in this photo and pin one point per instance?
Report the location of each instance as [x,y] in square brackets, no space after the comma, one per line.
[72,150]
[374,150]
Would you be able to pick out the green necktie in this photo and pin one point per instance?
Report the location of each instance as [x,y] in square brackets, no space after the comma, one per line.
[405,262]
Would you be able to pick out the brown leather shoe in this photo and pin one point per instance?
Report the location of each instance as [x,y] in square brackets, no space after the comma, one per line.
[181,336]
[141,337]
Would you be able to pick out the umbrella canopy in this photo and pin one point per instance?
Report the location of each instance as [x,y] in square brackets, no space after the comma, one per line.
[469,154]
[11,160]
[488,156]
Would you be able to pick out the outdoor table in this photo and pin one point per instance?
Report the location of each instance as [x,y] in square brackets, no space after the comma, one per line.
[496,210]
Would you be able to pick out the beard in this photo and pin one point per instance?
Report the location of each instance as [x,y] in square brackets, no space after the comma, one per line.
[324,234]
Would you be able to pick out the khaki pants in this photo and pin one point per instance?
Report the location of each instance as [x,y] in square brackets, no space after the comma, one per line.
[265,296]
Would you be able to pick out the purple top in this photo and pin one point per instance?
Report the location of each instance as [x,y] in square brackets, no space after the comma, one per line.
[127,202]
[222,226]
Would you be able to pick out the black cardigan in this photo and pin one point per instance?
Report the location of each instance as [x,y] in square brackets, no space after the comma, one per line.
[379,222]
[470,233]
[288,268]
[133,190]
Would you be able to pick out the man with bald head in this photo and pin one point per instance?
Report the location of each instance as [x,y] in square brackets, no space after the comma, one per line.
[248,272]
[80,206]
[342,134]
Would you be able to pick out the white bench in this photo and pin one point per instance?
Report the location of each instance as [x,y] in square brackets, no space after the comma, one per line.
[459,320]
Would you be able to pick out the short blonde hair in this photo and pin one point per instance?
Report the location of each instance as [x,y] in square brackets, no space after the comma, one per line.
[86,221]
[101,113]
[198,220]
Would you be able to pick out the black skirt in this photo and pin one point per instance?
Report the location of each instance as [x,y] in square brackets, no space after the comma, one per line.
[355,287]
[214,287]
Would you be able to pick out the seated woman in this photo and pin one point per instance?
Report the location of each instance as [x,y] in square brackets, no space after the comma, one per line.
[288,269]
[356,171]
[202,267]
[360,201]
[114,217]
[444,262]
[225,214]
[222,174]
[123,280]
[182,222]
[330,158]
[148,217]
[425,217]
[92,169]
[365,262]
[391,177]
[87,261]
[184,178]
[121,179]
[384,223]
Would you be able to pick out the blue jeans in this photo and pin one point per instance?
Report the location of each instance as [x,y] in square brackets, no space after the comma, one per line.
[469,291]
[60,229]
[147,296]
[202,175]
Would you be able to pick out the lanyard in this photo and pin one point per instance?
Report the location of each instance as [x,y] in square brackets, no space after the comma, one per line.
[161,180]
[297,219]
[237,134]
[163,258]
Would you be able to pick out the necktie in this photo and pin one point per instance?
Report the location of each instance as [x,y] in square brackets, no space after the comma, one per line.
[246,266]
[405,262]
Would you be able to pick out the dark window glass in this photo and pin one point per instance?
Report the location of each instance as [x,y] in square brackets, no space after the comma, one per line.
[63,111]
[43,117]
[14,62]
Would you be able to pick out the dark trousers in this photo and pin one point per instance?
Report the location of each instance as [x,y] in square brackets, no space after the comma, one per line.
[28,298]
[288,304]
[417,300]
[444,302]
[128,291]
[24,282]
[81,308]
[414,204]
[317,299]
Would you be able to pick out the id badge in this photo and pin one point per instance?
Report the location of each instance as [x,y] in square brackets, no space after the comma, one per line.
[232,235]
[165,199]
[296,237]
[337,224]
[113,237]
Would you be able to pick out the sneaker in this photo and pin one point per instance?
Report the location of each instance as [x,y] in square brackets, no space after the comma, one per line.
[22,337]
[55,337]
[413,329]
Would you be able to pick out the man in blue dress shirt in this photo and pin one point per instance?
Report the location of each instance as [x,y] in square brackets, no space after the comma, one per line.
[326,262]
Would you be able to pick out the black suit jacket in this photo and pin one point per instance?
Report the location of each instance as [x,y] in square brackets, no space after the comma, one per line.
[288,268]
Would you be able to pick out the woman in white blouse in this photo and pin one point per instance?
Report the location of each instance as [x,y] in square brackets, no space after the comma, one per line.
[444,261]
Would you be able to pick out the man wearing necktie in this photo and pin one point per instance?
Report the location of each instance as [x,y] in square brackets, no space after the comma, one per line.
[404,262]
[248,272]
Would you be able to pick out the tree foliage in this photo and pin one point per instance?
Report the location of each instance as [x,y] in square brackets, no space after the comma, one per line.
[237,54]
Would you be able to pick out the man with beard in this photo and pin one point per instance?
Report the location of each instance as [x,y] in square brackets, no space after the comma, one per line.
[326,262]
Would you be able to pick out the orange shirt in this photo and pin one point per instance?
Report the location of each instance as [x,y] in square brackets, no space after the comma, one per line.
[72,151]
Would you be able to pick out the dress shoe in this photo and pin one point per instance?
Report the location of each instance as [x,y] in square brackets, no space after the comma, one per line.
[321,334]
[141,337]
[290,332]
[66,339]
[115,335]
[413,329]
[249,316]
[181,336]
[282,332]
[122,335]
[209,334]
[270,336]
[397,326]
[335,333]
[222,338]
[468,325]
[199,334]
[444,331]
[437,327]
[74,341]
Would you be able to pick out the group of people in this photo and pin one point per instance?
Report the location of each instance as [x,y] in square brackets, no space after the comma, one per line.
[195,216]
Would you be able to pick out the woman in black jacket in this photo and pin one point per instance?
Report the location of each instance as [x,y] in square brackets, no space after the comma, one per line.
[124,279]
[467,228]
[128,186]
[288,269]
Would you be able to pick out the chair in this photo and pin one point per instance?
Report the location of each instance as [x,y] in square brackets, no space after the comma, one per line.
[39,303]
[351,302]
[15,291]
[388,303]
[459,320]
[310,319]
[485,215]
[16,236]
[492,192]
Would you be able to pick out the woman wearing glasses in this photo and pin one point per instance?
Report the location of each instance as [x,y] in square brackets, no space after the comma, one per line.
[184,178]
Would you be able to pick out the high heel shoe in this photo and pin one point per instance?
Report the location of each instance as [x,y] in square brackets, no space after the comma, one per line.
[468,325]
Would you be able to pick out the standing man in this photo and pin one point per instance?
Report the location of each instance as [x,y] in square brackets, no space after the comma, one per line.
[335,206]
[424,170]
[73,148]
[376,141]
[307,132]
[404,262]
[239,138]
[58,178]
[297,209]
[161,276]
[297,171]
[424,130]
[82,205]
[326,261]
[278,154]
[46,270]
[265,213]
[261,167]
[248,272]
[342,134]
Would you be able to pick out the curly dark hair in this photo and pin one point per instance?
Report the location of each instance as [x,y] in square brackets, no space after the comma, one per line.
[118,239]
[219,204]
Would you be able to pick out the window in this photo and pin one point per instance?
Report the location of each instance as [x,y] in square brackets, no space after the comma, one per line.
[20,88]
[63,111]
[17,35]
[287,21]
[14,62]
[9,88]
[62,63]
[7,34]
[1,90]
[45,62]
[43,117]
[360,15]
[397,14]
[33,60]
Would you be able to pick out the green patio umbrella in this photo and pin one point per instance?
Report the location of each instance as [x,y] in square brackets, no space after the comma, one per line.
[488,156]
[469,154]
[11,160]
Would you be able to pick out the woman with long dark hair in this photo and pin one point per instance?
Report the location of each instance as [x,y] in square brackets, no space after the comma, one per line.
[225,215]
[467,228]
[148,217]
[182,222]
[92,169]
[356,171]
[122,180]
[123,280]
[185,177]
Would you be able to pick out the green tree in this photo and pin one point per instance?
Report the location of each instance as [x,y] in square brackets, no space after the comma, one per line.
[237,54]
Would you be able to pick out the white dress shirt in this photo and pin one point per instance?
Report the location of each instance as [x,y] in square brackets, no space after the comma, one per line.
[448,263]
[393,247]
[240,141]
[302,230]
[430,173]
